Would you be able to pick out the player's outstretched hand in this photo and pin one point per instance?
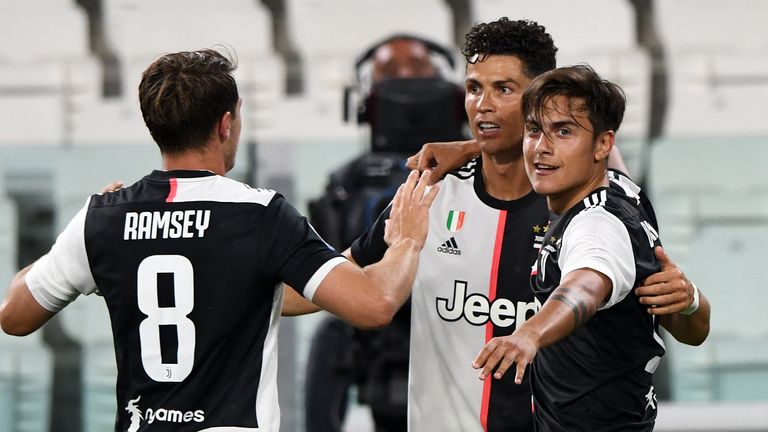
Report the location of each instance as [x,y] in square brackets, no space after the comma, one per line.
[409,215]
[667,291]
[500,353]
[115,185]
[441,157]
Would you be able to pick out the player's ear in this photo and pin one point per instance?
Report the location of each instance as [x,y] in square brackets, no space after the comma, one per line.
[224,126]
[604,144]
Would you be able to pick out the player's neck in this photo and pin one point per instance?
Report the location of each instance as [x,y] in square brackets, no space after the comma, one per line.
[561,203]
[505,179]
[195,160]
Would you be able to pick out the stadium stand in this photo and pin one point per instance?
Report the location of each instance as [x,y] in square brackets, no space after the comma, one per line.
[139,31]
[719,85]
[609,45]
[45,74]
[25,365]
[705,173]
[712,202]
[328,43]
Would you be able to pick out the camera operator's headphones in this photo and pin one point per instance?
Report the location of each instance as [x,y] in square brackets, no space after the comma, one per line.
[442,59]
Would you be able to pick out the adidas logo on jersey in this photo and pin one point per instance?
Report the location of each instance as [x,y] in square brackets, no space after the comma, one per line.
[450,247]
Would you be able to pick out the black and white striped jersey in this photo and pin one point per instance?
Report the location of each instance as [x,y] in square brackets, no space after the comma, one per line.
[599,378]
[189,264]
[472,284]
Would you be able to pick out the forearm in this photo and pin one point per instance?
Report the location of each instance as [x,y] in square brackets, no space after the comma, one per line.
[570,305]
[392,278]
[689,329]
[20,314]
[295,304]
[564,311]
[369,297]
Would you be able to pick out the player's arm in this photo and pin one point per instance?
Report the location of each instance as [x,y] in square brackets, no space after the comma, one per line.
[294,304]
[369,297]
[442,157]
[577,298]
[682,309]
[20,313]
[53,281]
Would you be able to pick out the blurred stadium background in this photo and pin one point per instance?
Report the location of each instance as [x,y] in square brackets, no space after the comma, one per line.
[695,134]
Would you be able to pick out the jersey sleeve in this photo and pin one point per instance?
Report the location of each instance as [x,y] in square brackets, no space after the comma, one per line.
[370,247]
[298,255]
[597,240]
[59,276]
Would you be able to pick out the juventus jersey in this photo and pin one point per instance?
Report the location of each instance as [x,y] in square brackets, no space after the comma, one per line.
[472,284]
[599,378]
[189,264]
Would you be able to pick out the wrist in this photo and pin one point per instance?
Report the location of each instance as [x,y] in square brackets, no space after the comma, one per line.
[694,306]
[407,243]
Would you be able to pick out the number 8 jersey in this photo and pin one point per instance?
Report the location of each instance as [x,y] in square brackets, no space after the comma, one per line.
[189,264]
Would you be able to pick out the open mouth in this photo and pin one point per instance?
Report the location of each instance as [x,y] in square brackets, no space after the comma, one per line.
[487,127]
[541,167]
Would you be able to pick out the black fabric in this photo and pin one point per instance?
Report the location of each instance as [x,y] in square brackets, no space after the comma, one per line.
[594,379]
[246,250]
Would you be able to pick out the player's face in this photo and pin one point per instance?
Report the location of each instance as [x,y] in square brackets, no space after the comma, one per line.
[234,138]
[494,88]
[402,58]
[562,158]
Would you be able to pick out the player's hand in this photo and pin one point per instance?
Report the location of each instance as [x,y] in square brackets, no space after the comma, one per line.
[667,291]
[409,215]
[115,185]
[500,353]
[442,157]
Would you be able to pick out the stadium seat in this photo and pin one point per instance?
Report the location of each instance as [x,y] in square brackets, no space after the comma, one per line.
[592,33]
[8,238]
[718,84]
[138,32]
[329,41]
[608,45]
[711,198]
[44,75]
[25,364]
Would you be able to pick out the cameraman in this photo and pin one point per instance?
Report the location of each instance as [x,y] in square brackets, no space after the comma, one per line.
[407,102]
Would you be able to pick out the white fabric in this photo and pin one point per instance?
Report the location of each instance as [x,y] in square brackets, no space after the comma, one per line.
[320,274]
[446,332]
[597,240]
[58,277]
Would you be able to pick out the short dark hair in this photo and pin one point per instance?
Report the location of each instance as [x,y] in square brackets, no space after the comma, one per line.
[604,100]
[526,40]
[183,95]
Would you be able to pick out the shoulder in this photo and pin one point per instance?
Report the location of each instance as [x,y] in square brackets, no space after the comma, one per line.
[222,189]
[465,172]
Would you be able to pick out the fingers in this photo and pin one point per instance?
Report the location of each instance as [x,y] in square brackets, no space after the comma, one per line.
[411,183]
[485,359]
[484,354]
[664,298]
[430,196]
[421,186]
[412,163]
[506,363]
[664,260]
[113,186]
[520,372]
[496,356]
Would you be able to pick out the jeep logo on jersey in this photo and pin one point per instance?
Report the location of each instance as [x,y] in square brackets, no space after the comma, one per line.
[478,310]
[455,220]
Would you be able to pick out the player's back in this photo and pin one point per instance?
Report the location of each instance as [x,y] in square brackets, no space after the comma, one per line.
[188,263]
